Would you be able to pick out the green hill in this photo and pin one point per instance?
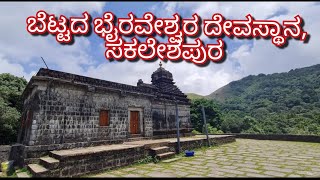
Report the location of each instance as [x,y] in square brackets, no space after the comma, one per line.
[193,96]
[303,83]
[279,103]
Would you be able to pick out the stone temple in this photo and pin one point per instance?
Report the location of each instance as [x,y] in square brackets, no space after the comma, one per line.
[63,111]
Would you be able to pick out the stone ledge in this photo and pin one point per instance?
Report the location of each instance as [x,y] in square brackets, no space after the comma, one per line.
[280,137]
[92,150]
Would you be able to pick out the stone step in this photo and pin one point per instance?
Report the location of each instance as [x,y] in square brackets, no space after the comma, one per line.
[76,153]
[49,162]
[165,155]
[159,150]
[37,170]
[170,160]
[23,175]
[54,155]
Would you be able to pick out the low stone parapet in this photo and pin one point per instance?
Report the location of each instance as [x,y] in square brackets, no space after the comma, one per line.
[281,137]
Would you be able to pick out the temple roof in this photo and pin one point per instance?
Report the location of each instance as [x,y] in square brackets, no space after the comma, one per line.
[161,75]
[163,80]
[162,83]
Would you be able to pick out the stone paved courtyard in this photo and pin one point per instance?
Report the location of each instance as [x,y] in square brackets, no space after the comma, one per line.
[243,158]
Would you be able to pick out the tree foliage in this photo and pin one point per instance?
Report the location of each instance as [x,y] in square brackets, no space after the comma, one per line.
[11,88]
[213,116]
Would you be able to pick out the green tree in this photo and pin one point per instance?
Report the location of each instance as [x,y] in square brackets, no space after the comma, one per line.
[11,88]
[212,111]
[212,130]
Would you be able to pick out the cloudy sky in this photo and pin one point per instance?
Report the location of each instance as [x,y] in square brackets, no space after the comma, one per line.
[20,52]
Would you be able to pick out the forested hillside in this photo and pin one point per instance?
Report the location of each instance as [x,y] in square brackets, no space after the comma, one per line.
[281,103]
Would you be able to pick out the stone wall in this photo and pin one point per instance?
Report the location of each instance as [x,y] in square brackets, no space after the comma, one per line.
[31,154]
[197,143]
[97,162]
[164,118]
[31,104]
[4,153]
[69,113]
[281,137]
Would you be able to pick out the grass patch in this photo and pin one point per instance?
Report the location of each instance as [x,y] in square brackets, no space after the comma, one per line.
[14,174]
[147,159]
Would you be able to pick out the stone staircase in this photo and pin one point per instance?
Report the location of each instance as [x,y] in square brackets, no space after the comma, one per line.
[48,166]
[162,152]
[79,161]
[49,162]
[22,175]
[37,170]
[156,148]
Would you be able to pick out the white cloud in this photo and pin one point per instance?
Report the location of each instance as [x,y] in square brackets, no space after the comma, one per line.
[13,68]
[20,48]
[188,77]
[262,56]
[65,8]
[74,7]
[241,52]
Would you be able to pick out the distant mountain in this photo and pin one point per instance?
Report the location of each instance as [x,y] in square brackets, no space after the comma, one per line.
[300,83]
[193,96]
[279,103]
[221,94]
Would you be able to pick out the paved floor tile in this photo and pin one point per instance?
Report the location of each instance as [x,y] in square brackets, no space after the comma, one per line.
[160,174]
[274,173]
[243,158]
